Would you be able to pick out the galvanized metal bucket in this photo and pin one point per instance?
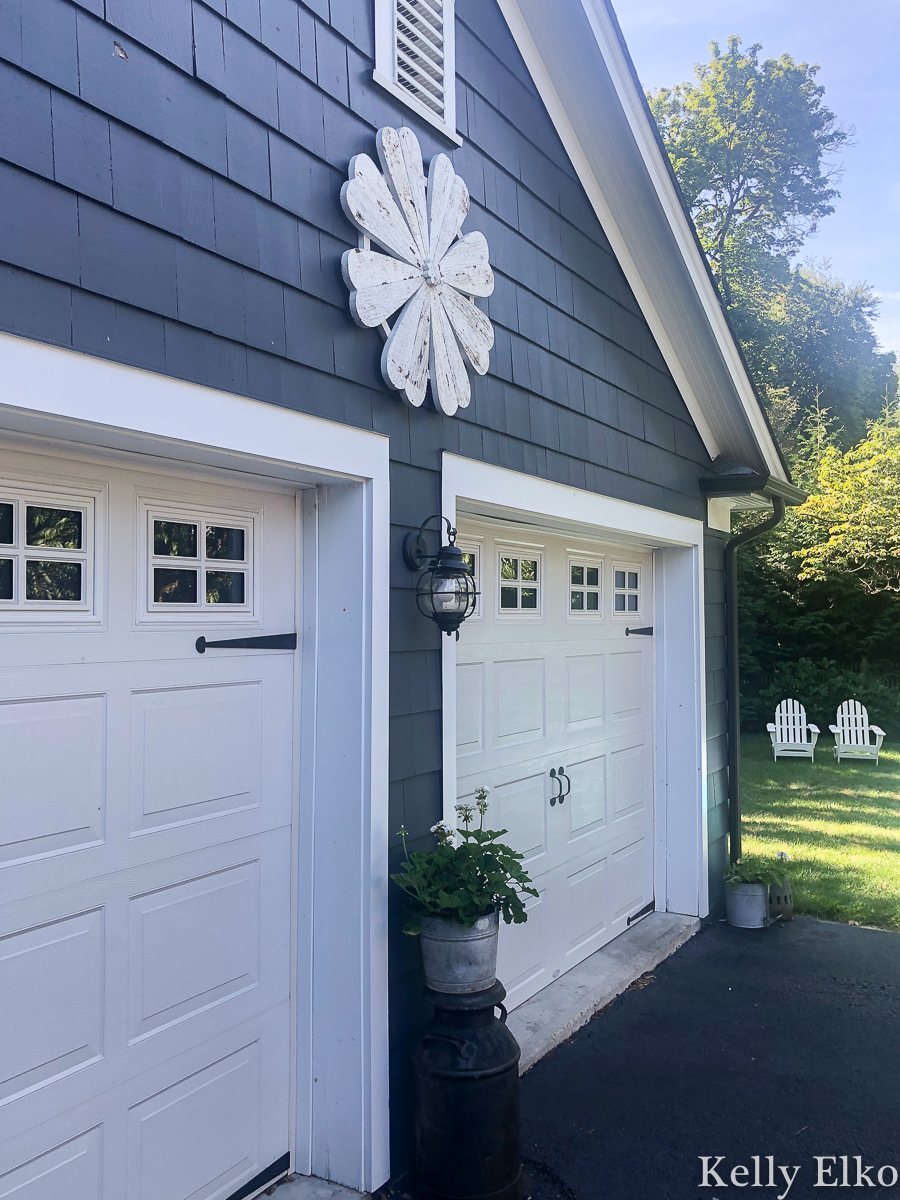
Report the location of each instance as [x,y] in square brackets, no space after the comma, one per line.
[747,905]
[458,959]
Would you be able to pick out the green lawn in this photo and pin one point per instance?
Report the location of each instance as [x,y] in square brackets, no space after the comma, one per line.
[839,823]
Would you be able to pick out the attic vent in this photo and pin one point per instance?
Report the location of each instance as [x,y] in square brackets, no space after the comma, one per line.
[420,64]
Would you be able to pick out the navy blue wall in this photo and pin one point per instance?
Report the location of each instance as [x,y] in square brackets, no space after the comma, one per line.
[169,182]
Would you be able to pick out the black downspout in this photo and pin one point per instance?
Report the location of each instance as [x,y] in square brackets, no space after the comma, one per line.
[732,670]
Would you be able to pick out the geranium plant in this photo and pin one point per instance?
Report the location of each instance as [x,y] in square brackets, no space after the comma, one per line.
[755,870]
[469,874]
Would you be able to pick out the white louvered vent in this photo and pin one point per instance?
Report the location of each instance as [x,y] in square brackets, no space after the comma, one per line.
[420,61]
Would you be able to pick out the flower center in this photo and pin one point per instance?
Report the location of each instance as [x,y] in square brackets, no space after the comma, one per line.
[432,272]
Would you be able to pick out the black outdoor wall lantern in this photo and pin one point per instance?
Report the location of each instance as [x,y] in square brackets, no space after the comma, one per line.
[446,590]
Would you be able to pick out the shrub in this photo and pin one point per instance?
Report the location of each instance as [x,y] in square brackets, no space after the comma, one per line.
[821,687]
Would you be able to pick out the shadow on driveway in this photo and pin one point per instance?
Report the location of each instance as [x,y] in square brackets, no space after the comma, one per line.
[782,1042]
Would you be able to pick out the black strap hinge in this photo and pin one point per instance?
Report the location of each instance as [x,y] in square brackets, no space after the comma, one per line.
[646,631]
[270,641]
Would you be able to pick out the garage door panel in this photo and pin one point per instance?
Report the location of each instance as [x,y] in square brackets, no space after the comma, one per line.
[587,906]
[518,687]
[196,753]
[631,879]
[52,786]
[72,1170]
[141,1028]
[630,783]
[51,1000]
[191,945]
[585,803]
[585,691]
[521,963]
[627,690]
[198,1139]
[204,1084]
[470,708]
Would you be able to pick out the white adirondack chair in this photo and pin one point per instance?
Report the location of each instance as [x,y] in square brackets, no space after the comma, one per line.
[852,733]
[792,736]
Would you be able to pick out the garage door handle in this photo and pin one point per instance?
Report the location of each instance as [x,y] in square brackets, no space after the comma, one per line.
[557,778]
[647,631]
[270,641]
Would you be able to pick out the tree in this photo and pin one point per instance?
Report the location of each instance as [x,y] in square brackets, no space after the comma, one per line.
[857,508]
[750,142]
[811,337]
[747,142]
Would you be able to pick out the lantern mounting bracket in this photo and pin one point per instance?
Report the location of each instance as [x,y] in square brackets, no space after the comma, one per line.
[415,549]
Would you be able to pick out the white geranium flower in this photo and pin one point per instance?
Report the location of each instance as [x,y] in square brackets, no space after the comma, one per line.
[429,270]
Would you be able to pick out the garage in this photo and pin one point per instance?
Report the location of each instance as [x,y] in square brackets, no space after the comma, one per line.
[147,798]
[554,685]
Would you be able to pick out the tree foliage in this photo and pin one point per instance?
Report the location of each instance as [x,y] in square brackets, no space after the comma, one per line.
[855,511]
[747,142]
[751,143]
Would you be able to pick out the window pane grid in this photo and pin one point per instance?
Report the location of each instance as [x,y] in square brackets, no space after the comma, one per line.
[626,596]
[519,583]
[198,563]
[43,553]
[584,587]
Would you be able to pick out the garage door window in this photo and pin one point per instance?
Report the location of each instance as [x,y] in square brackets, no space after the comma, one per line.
[199,562]
[627,590]
[520,582]
[585,581]
[45,552]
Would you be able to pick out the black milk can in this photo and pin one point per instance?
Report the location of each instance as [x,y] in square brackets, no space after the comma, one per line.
[467,1100]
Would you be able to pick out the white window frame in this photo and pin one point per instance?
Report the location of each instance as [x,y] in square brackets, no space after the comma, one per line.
[633,614]
[470,544]
[576,559]
[159,509]
[519,550]
[385,72]
[89,502]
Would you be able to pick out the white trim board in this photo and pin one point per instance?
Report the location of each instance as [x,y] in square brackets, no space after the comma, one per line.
[341,1093]
[478,489]
[581,70]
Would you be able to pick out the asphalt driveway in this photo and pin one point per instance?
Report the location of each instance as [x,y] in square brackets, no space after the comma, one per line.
[782,1042]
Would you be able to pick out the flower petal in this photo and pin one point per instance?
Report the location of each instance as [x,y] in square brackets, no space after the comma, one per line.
[465,266]
[448,204]
[404,360]
[401,158]
[368,203]
[379,285]
[474,330]
[450,386]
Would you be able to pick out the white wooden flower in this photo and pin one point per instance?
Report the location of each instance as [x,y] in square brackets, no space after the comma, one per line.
[429,270]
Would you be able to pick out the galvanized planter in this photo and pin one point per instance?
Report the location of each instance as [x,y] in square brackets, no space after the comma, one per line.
[458,959]
[747,905]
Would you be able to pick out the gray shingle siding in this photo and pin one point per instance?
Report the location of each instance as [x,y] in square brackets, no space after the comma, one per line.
[169,198]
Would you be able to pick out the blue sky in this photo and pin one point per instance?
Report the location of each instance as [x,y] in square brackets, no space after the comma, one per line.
[856,45]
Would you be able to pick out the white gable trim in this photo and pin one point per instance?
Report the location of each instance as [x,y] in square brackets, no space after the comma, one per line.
[577,61]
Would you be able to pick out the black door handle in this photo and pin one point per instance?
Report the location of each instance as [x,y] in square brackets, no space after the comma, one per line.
[560,774]
[270,641]
[557,777]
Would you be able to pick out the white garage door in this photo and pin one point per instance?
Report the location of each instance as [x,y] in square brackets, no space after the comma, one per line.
[547,680]
[145,817]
